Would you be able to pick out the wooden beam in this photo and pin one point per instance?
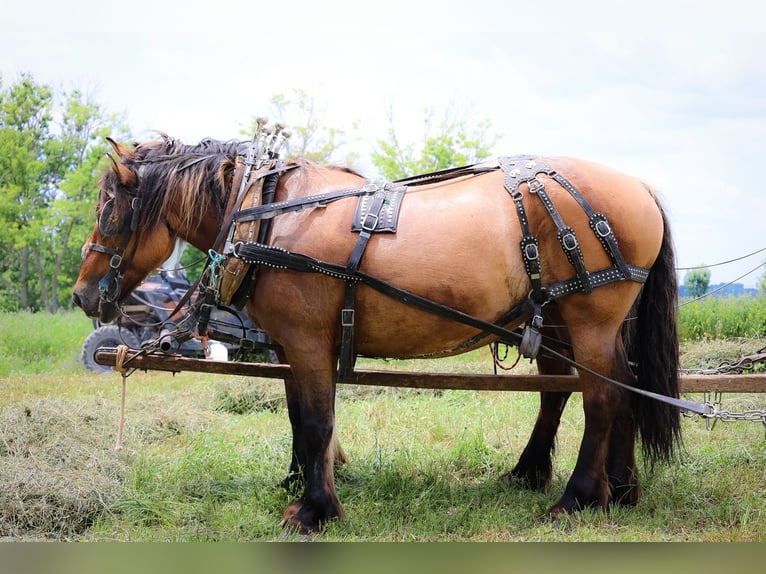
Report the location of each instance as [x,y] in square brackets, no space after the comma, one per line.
[749,383]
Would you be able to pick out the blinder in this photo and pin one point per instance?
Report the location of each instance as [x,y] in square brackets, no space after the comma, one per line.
[110,225]
[107,222]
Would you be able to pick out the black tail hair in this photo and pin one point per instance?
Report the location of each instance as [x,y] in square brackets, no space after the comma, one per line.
[652,344]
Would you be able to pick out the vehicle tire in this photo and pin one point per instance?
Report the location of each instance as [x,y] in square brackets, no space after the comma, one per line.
[106,336]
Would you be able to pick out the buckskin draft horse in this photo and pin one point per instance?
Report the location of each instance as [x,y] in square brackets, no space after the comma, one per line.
[436,265]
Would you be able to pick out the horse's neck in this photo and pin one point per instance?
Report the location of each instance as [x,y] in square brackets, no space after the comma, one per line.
[200,231]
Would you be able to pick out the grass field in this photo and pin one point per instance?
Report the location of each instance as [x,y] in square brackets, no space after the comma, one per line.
[204,453]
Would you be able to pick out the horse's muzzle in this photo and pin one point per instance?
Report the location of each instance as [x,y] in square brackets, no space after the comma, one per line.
[94,307]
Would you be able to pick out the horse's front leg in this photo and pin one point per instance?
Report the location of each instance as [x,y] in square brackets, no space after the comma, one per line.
[294,479]
[313,390]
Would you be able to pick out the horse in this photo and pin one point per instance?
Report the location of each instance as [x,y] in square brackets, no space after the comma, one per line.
[462,243]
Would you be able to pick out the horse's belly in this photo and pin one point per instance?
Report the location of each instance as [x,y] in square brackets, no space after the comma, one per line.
[484,287]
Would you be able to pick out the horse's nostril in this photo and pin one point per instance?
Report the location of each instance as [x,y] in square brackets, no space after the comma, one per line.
[76,300]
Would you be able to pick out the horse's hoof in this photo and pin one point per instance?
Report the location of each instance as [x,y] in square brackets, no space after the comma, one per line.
[532,480]
[291,522]
[628,495]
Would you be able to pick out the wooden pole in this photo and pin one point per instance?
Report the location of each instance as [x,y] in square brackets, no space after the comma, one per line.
[749,383]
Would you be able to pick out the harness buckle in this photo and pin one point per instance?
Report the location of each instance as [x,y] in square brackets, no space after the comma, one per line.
[569,241]
[535,185]
[366,225]
[115,261]
[347,318]
[603,229]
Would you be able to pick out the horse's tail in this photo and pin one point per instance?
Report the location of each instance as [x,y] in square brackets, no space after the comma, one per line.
[653,345]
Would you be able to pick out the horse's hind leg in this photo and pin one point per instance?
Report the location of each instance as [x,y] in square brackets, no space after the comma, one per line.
[621,462]
[535,466]
[596,348]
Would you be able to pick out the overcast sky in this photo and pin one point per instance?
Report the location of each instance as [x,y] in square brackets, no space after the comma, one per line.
[673,91]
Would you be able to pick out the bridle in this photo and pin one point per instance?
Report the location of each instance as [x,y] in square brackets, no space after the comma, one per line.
[109,286]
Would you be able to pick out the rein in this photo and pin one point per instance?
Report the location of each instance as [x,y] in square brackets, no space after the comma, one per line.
[279,258]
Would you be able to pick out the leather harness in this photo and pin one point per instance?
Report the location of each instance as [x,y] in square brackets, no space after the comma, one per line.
[377,211]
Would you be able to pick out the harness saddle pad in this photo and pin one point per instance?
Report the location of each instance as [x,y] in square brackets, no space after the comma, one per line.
[235,270]
[388,217]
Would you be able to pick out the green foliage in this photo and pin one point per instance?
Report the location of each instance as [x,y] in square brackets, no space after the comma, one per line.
[697,281]
[250,397]
[51,156]
[311,137]
[447,143]
[723,318]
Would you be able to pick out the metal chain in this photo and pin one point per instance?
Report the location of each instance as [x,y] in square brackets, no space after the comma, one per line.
[718,414]
[746,363]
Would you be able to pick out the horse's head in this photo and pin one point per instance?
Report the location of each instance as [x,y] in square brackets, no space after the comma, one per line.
[129,239]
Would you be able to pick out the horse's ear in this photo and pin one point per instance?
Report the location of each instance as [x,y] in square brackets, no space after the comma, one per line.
[115,167]
[123,152]
[125,175]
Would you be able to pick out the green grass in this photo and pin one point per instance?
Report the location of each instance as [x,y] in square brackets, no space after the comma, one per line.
[722,318]
[32,343]
[204,454]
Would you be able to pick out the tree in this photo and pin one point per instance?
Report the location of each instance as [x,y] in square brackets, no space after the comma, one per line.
[25,117]
[51,156]
[762,283]
[311,138]
[447,143]
[697,281]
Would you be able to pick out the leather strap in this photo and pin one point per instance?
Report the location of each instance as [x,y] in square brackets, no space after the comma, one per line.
[347,356]
[283,259]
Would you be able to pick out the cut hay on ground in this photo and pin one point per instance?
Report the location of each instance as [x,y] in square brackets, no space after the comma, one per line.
[58,468]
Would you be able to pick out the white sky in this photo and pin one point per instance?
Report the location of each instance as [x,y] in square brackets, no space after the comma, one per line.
[673,91]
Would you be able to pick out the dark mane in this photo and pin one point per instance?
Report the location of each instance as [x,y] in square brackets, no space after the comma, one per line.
[190,176]
[193,177]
